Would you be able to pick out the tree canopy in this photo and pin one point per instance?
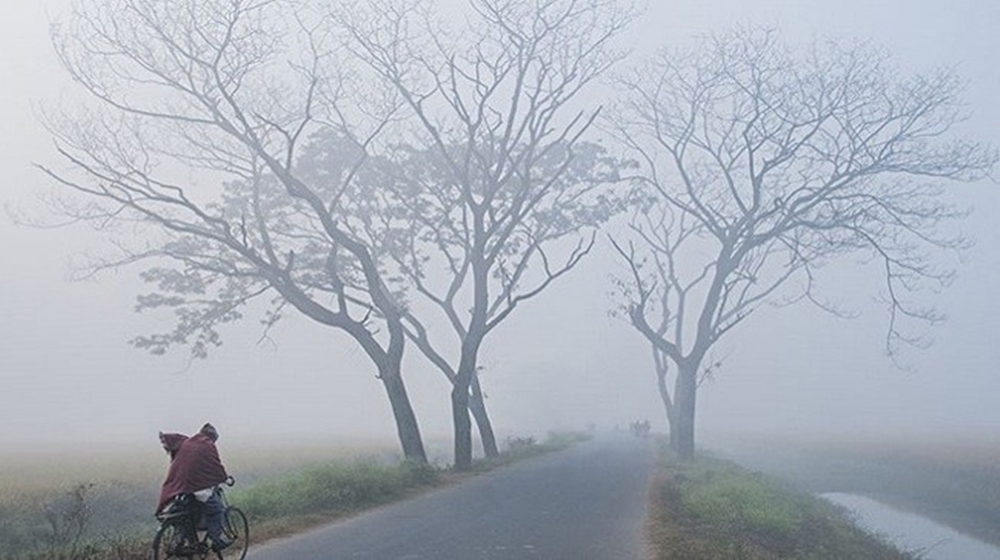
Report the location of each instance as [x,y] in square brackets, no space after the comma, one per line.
[761,164]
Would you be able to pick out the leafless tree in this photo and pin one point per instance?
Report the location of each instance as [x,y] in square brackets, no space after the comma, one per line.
[762,163]
[188,159]
[506,191]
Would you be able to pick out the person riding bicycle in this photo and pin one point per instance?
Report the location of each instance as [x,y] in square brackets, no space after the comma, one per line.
[195,468]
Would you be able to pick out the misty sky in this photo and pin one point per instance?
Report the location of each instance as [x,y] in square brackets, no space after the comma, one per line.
[67,373]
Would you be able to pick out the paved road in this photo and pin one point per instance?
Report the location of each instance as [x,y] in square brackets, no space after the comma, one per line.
[585,503]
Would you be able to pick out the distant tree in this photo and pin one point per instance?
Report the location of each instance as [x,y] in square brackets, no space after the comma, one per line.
[192,94]
[760,165]
[506,193]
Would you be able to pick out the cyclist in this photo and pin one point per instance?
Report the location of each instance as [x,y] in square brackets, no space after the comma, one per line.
[195,468]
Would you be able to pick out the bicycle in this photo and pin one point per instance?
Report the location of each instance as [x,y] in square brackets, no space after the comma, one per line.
[182,532]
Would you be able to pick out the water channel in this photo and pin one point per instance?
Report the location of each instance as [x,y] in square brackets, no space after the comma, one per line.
[931,540]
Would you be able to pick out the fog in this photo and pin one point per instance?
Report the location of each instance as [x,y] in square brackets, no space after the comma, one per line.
[67,374]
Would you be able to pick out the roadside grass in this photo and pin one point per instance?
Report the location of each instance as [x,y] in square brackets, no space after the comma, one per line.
[953,481]
[289,503]
[714,510]
[336,487]
[46,515]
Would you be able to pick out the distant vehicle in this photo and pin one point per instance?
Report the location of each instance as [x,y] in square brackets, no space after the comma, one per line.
[182,532]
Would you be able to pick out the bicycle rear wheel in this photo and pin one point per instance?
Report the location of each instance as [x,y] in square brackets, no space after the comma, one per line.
[169,538]
[237,530]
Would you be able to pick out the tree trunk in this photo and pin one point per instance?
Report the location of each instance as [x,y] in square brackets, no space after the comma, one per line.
[460,399]
[462,425]
[661,383]
[406,421]
[478,408]
[684,410]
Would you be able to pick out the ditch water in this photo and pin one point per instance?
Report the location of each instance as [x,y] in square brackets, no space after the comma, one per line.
[908,531]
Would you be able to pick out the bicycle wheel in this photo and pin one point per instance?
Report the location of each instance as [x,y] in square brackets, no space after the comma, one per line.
[236,529]
[169,538]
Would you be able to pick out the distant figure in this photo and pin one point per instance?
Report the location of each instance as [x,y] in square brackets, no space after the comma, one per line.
[640,429]
[195,468]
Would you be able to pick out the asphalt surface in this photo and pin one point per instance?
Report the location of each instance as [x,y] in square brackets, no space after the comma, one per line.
[584,503]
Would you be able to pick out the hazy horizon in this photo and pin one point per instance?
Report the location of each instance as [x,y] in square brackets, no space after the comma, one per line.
[561,363]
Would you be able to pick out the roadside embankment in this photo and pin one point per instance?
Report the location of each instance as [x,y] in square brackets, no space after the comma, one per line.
[954,481]
[716,510]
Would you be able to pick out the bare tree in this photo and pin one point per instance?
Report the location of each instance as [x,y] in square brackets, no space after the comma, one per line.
[761,164]
[505,184]
[191,94]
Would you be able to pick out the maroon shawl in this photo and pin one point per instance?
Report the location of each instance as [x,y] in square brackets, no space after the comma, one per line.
[194,465]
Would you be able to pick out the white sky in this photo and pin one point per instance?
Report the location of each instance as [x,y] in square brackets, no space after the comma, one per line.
[67,374]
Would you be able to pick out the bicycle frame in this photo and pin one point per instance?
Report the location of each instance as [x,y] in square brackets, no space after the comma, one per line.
[182,534]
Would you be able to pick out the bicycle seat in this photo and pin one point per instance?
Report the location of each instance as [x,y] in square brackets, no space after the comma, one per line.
[178,506]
